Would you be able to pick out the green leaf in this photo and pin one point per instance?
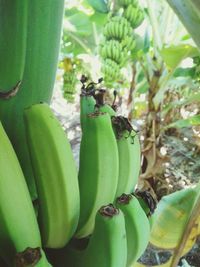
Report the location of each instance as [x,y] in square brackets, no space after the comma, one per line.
[173,55]
[188,12]
[81,23]
[192,121]
[99,5]
[147,42]
[184,72]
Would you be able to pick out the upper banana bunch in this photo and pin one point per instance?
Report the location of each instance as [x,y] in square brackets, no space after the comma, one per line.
[119,39]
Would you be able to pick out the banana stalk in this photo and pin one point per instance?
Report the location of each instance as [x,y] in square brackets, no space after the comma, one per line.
[42,48]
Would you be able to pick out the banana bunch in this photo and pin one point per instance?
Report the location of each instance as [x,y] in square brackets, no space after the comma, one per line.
[117,28]
[110,70]
[126,3]
[118,39]
[69,85]
[72,222]
[113,50]
[134,14]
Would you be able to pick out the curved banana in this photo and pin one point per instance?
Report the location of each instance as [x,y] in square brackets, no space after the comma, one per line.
[55,175]
[107,246]
[87,106]
[13,33]
[18,223]
[129,155]
[137,227]
[97,179]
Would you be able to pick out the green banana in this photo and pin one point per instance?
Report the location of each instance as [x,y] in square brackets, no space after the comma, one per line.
[134,14]
[42,49]
[13,32]
[97,179]
[125,3]
[137,227]
[87,106]
[110,70]
[107,247]
[55,174]
[18,223]
[129,155]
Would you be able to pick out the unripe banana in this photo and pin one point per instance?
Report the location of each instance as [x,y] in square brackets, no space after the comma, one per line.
[134,15]
[18,224]
[55,174]
[87,106]
[13,33]
[107,247]
[137,227]
[129,155]
[125,3]
[97,180]
[110,70]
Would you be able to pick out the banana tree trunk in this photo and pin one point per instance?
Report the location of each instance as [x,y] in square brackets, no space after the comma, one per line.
[41,43]
[188,12]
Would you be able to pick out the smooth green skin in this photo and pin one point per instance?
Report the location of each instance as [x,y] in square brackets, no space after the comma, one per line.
[129,163]
[98,171]
[108,109]
[129,158]
[42,48]
[13,32]
[55,175]
[87,106]
[18,223]
[43,262]
[171,216]
[107,246]
[137,229]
